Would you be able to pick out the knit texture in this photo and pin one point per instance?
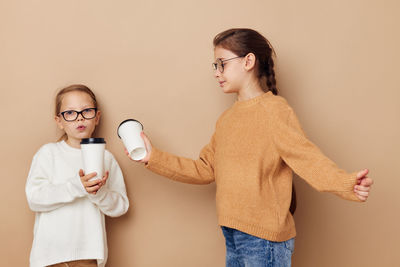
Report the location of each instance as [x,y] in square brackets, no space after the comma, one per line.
[256,145]
[69,222]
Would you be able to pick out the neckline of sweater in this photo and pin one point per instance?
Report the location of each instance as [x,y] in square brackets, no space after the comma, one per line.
[252,101]
[69,148]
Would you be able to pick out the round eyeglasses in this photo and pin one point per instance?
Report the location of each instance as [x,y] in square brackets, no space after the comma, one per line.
[220,63]
[72,115]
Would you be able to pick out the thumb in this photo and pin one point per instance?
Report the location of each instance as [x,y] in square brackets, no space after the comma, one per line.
[146,141]
[362,174]
[81,173]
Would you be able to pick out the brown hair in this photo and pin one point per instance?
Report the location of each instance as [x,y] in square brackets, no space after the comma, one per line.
[71,88]
[243,41]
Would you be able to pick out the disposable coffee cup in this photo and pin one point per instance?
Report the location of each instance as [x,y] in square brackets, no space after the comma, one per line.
[129,132]
[93,156]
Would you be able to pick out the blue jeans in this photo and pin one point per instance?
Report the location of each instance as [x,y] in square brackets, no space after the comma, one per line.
[244,250]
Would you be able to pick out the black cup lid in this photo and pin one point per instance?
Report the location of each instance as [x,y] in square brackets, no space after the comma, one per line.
[85,141]
[127,121]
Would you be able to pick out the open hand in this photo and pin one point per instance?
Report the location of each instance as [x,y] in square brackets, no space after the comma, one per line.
[363,185]
[92,186]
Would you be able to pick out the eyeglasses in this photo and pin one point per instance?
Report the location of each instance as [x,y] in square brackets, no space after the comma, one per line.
[72,115]
[219,64]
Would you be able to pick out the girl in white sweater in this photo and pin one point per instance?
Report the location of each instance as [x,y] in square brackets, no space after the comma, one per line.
[70,225]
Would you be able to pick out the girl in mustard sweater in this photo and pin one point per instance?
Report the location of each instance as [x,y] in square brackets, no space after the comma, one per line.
[256,146]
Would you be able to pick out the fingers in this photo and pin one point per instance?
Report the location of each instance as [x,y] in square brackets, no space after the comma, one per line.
[362,195]
[362,188]
[362,174]
[362,191]
[144,136]
[92,183]
[88,176]
[92,189]
[366,182]
[362,198]
[92,186]
[104,180]
[148,145]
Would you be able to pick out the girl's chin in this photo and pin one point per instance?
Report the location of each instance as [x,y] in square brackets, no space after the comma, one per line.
[81,136]
[228,91]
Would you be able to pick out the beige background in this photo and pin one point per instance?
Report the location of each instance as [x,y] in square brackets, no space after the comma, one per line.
[338,66]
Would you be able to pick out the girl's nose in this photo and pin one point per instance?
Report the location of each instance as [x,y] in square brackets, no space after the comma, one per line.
[80,117]
[217,73]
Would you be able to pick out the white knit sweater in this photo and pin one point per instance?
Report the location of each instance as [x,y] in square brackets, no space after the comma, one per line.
[70,223]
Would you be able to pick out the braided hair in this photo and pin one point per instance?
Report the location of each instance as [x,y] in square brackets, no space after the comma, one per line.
[242,41]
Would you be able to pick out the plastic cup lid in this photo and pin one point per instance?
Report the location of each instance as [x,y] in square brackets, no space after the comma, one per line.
[85,141]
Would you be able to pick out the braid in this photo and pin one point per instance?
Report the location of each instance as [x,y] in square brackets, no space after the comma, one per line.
[270,75]
[242,41]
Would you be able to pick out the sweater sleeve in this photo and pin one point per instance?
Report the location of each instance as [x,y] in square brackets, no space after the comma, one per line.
[306,159]
[41,193]
[200,171]
[112,199]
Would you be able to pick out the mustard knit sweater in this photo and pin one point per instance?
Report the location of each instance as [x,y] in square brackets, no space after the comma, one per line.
[256,145]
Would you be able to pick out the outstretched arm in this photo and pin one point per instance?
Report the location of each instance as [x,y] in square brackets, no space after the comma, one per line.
[200,171]
[306,159]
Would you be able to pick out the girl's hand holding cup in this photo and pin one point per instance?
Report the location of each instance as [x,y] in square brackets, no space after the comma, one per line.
[92,186]
[148,145]
[137,144]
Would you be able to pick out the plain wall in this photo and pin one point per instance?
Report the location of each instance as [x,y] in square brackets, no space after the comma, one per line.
[337,65]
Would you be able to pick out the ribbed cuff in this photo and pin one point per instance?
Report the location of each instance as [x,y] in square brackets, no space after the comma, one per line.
[348,184]
[351,181]
[153,157]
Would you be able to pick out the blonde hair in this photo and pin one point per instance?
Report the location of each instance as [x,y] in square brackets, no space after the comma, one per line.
[72,88]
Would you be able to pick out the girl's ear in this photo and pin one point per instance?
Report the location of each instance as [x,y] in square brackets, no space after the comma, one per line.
[250,61]
[58,122]
[98,117]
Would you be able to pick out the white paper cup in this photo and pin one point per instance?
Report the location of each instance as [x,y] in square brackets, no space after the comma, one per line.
[129,131]
[93,156]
